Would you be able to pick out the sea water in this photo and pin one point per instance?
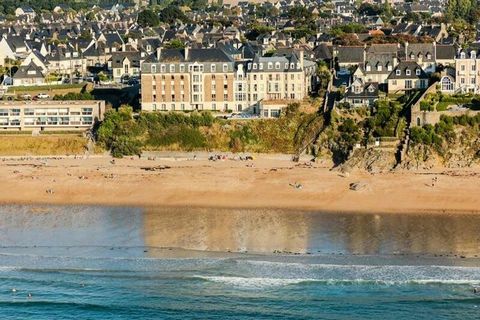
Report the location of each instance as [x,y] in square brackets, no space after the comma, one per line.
[128,263]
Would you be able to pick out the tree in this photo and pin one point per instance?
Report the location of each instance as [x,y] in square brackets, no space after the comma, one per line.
[148,18]
[172,13]
[120,133]
[175,44]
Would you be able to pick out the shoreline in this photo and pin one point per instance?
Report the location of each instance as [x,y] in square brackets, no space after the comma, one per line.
[265,183]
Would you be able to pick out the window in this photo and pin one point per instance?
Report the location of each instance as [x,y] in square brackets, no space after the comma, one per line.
[462,67]
[474,67]
[447,84]
[408,84]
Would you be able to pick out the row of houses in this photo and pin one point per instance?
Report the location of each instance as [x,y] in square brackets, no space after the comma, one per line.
[399,68]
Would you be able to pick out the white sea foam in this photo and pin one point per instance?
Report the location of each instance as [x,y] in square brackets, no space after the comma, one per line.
[7,268]
[261,283]
[253,283]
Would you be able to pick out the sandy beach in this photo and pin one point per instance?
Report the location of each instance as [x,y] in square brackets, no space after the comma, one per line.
[266,182]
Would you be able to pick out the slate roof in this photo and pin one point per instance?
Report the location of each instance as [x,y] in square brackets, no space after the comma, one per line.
[445,52]
[408,65]
[369,90]
[31,71]
[350,54]
[119,57]
[199,55]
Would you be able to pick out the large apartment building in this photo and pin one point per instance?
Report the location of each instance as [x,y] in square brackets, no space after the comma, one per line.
[210,79]
[467,77]
[50,115]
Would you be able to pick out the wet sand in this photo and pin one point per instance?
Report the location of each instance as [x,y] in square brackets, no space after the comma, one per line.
[266,182]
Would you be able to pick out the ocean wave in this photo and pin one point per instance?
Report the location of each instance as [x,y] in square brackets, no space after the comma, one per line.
[255,282]
[7,268]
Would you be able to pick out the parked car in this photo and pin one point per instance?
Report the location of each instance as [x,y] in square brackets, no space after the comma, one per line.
[26,96]
[43,96]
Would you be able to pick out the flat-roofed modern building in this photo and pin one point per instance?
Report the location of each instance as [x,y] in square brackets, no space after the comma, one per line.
[50,115]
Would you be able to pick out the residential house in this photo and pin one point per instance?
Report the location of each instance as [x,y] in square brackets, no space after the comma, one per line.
[407,76]
[29,75]
[362,94]
[124,65]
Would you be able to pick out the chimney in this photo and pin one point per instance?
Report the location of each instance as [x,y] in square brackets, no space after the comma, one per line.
[187,53]
[159,53]
[301,58]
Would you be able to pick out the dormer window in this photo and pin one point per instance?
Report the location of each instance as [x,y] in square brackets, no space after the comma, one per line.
[254,66]
[182,68]
[163,68]
[154,68]
[462,55]
[418,72]
[379,68]
[260,66]
[429,56]
[249,66]
[277,65]
[398,72]
[412,56]
[172,68]
[408,72]
[368,68]
[225,67]
[286,65]
[270,65]
[358,89]
[213,68]
[370,89]
[473,55]
[389,67]
[292,65]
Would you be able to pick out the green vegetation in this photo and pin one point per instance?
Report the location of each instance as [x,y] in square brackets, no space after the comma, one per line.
[172,13]
[445,134]
[75,96]
[148,18]
[440,102]
[123,135]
